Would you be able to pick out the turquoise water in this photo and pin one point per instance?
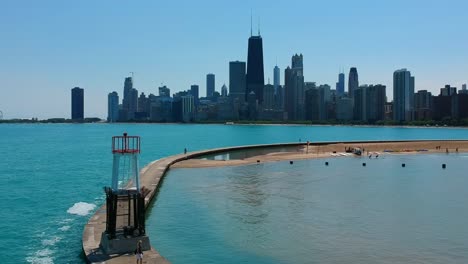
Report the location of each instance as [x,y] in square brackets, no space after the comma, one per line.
[51,175]
[311,213]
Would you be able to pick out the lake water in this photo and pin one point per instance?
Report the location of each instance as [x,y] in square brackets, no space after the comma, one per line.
[311,213]
[52,175]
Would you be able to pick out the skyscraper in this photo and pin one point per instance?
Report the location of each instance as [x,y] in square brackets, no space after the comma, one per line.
[113,107]
[268,97]
[403,95]
[353,81]
[164,91]
[132,103]
[77,103]
[255,74]
[210,85]
[237,80]
[194,91]
[297,64]
[340,84]
[369,103]
[448,90]
[294,88]
[276,78]
[423,105]
[128,85]
[224,91]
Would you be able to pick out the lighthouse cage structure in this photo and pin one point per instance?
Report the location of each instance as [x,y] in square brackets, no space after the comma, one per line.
[125,201]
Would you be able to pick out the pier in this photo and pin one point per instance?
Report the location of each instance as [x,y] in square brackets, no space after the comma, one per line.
[151,177]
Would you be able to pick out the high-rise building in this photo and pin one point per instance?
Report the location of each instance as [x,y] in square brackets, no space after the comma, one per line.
[255,78]
[353,81]
[113,107]
[289,93]
[376,99]
[194,91]
[142,103]
[297,64]
[324,100]
[276,78]
[369,103]
[125,111]
[210,85]
[188,107]
[132,103]
[463,90]
[294,88]
[237,81]
[403,95]
[279,98]
[77,103]
[268,97]
[344,108]
[448,90]
[312,104]
[164,91]
[128,86]
[423,105]
[340,85]
[224,91]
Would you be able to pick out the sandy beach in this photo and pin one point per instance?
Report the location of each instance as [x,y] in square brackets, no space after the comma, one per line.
[336,150]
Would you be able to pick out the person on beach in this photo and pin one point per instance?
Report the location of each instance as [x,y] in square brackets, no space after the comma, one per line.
[185,150]
[139,253]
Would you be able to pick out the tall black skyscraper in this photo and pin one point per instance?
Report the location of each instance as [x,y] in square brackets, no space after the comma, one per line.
[210,85]
[255,75]
[237,80]
[194,91]
[340,84]
[128,86]
[77,103]
[353,81]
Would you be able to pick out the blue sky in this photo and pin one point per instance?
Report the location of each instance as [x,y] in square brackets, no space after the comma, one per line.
[48,47]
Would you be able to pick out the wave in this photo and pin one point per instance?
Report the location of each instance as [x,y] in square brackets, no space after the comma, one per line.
[51,241]
[42,256]
[64,228]
[81,208]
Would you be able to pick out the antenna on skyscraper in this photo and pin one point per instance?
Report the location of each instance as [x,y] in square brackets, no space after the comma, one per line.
[251,22]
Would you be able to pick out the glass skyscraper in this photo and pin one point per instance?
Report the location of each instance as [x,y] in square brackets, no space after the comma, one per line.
[403,95]
[77,103]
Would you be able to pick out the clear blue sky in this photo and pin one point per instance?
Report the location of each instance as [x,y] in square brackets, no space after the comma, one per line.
[48,47]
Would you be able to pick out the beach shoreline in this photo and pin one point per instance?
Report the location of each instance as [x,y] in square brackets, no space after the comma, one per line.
[333,150]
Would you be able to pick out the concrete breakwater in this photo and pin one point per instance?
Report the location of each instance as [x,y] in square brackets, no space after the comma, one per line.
[152,174]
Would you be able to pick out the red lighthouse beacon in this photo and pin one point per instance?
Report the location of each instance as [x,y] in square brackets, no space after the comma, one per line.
[125,202]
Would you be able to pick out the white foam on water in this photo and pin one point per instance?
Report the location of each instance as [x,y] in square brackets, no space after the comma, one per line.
[64,228]
[65,221]
[42,256]
[51,241]
[81,208]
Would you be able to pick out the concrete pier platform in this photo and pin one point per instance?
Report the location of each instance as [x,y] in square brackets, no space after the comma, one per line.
[153,173]
[150,178]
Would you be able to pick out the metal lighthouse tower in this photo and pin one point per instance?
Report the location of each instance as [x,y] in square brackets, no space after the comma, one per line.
[125,202]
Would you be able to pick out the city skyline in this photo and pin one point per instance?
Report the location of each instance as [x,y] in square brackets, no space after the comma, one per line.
[51,69]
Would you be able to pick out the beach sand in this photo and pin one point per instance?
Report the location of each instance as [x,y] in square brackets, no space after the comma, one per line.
[336,150]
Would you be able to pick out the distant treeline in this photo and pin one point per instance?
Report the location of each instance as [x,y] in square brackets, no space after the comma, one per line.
[51,120]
